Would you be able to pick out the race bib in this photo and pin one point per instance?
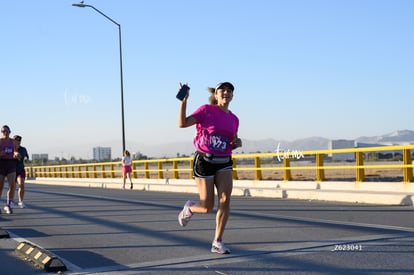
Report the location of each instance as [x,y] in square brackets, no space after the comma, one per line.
[8,150]
[217,143]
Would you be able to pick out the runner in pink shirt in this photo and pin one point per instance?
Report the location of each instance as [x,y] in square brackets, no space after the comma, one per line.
[8,157]
[215,139]
[127,168]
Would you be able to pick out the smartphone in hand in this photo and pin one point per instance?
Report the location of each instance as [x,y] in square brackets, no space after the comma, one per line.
[182,92]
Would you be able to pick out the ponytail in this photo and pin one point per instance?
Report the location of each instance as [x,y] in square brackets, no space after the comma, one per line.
[212,99]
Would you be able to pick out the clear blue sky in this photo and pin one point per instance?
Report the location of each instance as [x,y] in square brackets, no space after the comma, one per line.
[335,69]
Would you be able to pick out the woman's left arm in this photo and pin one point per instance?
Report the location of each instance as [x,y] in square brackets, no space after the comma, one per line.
[16,153]
[236,142]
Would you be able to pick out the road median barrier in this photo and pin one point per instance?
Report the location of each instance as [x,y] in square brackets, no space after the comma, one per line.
[40,257]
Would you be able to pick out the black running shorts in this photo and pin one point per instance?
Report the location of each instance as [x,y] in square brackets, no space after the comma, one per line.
[7,166]
[204,167]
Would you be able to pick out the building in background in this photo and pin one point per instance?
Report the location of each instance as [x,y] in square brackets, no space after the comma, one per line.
[42,157]
[382,154]
[102,153]
[342,144]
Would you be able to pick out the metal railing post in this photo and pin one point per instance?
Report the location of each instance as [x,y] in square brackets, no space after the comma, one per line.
[360,171]
[408,171]
[160,171]
[191,168]
[320,172]
[134,170]
[103,171]
[287,173]
[112,167]
[146,171]
[235,176]
[175,169]
[258,172]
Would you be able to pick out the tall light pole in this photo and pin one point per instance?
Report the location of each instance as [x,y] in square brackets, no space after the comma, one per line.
[81,5]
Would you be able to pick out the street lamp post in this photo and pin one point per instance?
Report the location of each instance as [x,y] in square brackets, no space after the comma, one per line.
[81,5]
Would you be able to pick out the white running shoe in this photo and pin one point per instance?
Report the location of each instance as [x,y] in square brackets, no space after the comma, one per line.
[21,204]
[219,247]
[7,209]
[185,214]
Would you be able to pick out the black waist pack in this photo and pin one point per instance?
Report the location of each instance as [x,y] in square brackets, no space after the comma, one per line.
[215,159]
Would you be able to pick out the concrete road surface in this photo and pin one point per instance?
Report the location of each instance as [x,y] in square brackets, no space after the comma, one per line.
[107,231]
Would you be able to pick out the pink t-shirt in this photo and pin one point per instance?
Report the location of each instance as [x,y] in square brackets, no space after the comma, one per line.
[7,147]
[215,130]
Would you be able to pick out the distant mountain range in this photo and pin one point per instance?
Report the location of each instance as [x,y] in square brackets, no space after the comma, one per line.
[270,145]
[397,137]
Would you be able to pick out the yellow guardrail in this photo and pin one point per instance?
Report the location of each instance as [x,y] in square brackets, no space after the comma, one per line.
[252,166]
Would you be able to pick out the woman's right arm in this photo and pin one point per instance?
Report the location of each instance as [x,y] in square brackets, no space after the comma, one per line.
[183,120]
[2,153]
